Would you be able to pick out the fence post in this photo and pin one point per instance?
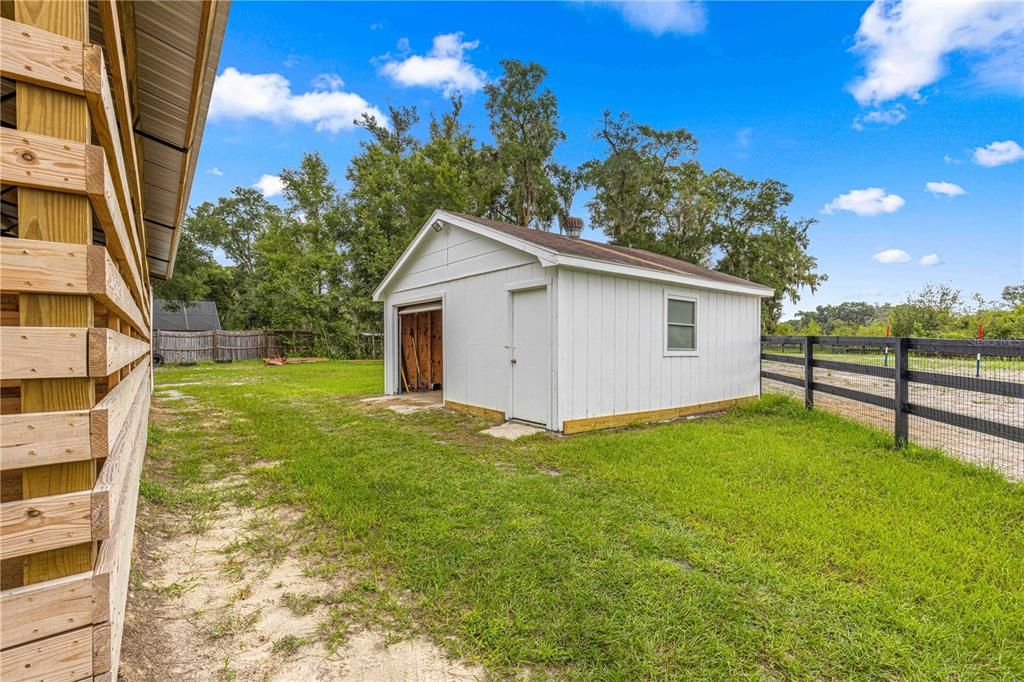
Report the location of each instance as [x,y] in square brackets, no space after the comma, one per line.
[216,346]
[900,398]
[809,371]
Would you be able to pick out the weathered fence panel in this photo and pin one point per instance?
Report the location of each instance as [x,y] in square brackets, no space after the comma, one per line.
[225,346]
[964,396]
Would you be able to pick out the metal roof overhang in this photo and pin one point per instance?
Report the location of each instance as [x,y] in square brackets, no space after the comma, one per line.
[176,47]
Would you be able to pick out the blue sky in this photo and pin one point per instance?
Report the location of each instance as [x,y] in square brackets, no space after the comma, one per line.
[856,107]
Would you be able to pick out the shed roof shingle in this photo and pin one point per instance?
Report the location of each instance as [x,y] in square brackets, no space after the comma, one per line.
[608,253]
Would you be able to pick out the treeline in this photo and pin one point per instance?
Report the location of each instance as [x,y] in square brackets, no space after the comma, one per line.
[936,311]
[313,263]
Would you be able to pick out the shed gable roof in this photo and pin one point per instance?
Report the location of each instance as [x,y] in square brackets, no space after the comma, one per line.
[555,249]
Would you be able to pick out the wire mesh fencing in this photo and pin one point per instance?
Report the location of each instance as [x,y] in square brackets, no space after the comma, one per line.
[964,397]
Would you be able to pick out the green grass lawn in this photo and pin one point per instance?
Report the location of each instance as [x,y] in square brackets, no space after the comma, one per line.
[766,543]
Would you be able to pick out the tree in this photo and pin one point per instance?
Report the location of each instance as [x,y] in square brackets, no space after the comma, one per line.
[930,312]
[649,194]
[524,122]
[1013,295]
[234,224]
[379,222]
[445,170]
[301,278]
[636,180]
[197,276]
[849,315]
[567,182]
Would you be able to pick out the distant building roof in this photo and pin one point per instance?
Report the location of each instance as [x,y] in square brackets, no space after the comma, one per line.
[201,316]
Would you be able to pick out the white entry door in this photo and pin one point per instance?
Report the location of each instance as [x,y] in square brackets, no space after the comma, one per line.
[531,356]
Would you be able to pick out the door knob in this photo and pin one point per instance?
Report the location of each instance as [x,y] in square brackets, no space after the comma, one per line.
[513,361]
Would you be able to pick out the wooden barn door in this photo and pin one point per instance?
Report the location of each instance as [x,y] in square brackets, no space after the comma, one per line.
[422,334]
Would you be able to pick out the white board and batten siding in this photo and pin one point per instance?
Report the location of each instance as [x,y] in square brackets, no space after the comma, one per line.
[606,330]
[612,346]
[470,274]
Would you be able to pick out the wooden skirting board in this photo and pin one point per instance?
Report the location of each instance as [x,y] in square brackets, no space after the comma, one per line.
[631,418]
[476,410]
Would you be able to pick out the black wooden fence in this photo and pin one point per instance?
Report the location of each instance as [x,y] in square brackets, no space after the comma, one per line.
[969,386]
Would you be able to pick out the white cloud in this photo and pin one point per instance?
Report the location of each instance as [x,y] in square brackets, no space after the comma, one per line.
[376,26]
[270,185]
[268,96]
[869,201]
[998,154]
[744,136]
[665,16]
[215,171]
[444,67]
[906,43]
[881,117]
[890,256]
[948,189]
[951,161]
[328,81]
[930,259]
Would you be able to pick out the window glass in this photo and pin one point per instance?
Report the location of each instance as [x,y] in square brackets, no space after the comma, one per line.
[680,311]
[681,329]
[680,337]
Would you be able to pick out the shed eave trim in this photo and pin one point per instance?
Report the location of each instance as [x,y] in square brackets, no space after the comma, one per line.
[592,265]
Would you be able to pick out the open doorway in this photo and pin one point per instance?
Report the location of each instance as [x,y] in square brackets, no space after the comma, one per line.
[422,349]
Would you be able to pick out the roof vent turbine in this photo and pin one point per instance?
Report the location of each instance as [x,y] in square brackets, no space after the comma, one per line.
[572,227]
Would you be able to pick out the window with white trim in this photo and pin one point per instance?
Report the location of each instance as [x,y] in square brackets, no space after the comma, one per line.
[680,324]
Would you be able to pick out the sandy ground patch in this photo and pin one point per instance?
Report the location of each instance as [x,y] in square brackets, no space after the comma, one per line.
[225,597]
[512,431]
[407,403]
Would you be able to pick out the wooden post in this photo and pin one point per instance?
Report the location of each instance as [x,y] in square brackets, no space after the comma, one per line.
[901,397]
[809,371]
[55,217]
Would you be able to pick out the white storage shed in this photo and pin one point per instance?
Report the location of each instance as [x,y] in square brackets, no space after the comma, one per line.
[569,334]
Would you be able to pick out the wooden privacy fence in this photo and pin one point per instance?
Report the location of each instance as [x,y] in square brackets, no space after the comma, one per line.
[223,346]
[971,391]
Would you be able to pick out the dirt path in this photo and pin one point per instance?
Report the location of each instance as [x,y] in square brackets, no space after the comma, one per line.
[222,596]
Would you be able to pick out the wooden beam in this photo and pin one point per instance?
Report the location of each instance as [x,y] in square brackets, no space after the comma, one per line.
[39,524]
[104,120]
[117,61]
[42,162]
[32,55]
[47,162]
[115,555]
[42,438]
[36,611]
[52,61]
[44,353]
[476,410]
[108,418]
[110,351]
[62,658]
[613,421]
[124,463]
[108,286]
[31,266]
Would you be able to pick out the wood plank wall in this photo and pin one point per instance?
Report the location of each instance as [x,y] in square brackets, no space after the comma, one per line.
[75,328]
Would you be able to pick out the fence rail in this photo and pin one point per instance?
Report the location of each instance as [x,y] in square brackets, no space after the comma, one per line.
[175,347]
[970,391]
